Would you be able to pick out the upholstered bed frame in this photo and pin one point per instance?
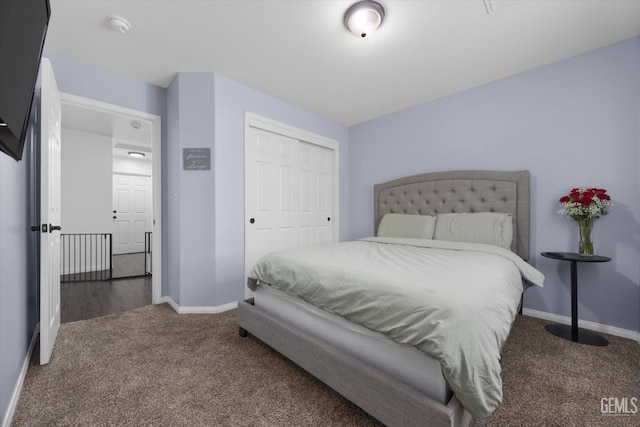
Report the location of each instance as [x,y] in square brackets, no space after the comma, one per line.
[384,397]
[460,191]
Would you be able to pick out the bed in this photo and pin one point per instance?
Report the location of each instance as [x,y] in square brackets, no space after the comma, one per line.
[394,380]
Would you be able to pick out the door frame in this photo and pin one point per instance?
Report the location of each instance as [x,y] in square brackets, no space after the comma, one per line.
[252,120]
[156,177]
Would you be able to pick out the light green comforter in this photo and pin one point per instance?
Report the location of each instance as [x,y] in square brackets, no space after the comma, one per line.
[454,301]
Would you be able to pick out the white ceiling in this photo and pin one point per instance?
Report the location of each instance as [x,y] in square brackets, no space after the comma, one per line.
[300,52]
[126,133]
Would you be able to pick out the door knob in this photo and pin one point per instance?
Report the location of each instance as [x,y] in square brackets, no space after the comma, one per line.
[252,220]
[53,228]
[35,228]
[114,217]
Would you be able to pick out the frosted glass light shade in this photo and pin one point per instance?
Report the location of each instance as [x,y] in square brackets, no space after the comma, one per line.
[364,17]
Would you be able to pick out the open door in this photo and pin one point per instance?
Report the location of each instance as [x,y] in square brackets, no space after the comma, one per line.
[50,141]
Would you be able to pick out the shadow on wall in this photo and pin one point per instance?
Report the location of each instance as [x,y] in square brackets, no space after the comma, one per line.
[605,294]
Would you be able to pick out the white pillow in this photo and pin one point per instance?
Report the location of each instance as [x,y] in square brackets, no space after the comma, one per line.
[409,226]
[481,227]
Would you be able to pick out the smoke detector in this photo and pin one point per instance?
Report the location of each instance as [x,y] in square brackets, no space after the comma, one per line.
[118,23]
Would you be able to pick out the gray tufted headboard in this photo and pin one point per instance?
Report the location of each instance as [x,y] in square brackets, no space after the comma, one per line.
[460,191]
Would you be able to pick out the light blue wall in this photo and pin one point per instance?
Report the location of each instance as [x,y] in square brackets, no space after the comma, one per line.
[89,81]
[18,266]
[572,123]
[16,316]
[191,219]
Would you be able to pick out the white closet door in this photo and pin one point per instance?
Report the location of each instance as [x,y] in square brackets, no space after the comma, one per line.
[272,199]
[315,172]
[288,194]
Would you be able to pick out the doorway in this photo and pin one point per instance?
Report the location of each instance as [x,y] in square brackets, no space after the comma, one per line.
[132,225]
[106,137]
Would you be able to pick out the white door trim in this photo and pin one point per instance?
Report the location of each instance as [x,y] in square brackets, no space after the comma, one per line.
[255,121]
[156,278]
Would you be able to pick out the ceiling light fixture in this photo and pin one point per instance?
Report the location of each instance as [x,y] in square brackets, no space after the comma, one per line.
[118,23]
[136,154]
[364,17]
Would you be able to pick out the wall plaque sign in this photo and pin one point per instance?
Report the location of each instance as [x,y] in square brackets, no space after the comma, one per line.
[196,159]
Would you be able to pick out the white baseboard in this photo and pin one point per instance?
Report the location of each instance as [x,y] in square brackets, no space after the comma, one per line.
[13,404]
[198,310]
[565,320]
[585,324]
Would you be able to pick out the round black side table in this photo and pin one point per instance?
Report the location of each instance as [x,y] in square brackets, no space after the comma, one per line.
[573,333]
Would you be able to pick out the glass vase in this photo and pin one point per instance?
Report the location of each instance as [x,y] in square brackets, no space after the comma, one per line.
[586,245]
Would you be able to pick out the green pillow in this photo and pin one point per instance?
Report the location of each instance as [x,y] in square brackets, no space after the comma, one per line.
[491,228]
[408,226]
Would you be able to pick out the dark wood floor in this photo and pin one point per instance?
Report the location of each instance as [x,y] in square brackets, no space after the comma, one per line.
[124,266]
[86,300]
[128,265]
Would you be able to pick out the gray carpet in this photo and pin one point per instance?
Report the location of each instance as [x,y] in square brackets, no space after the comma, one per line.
[151,366]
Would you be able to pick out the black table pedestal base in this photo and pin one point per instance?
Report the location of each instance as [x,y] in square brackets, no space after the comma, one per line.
[584,336]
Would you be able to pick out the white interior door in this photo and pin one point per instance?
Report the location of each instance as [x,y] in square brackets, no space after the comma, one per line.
[289,200]
[131,212]
[49,211]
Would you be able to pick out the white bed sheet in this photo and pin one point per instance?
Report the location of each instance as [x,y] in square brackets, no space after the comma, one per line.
[404,362]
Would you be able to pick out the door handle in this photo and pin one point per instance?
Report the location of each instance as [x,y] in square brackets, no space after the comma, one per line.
[252,220]
[114,217]
[53,228]
[35,228]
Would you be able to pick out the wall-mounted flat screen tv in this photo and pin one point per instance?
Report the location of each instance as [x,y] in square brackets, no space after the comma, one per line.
[23,26]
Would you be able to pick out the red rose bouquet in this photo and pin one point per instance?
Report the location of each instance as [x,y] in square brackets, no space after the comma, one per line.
[584,206]
[583,203]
